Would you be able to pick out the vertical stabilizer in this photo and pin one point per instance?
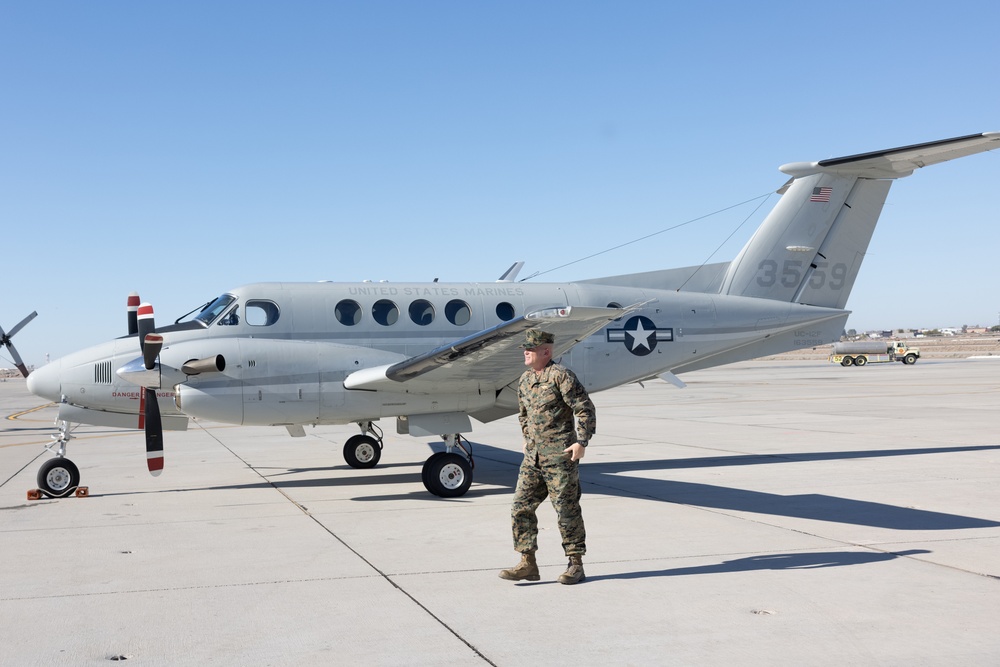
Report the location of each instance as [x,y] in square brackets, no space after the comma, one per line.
[810,247]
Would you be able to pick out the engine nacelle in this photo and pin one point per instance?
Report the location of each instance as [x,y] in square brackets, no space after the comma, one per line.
[216,403]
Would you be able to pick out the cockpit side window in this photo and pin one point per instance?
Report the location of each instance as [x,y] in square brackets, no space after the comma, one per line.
[261,313]
[231,319]
[214,309]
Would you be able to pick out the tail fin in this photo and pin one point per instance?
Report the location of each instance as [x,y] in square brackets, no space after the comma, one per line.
[810,247]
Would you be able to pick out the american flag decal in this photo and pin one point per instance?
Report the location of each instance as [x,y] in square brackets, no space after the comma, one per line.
[821,194]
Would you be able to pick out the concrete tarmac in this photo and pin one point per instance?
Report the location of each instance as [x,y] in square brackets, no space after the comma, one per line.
[771,513]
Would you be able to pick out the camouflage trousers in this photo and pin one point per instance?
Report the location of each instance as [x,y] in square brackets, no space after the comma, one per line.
[558,480]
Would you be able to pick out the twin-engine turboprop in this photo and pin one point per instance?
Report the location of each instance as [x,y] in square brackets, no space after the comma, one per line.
[435,355]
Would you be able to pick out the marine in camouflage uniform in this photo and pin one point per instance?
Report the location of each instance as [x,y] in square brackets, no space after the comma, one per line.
[549,397]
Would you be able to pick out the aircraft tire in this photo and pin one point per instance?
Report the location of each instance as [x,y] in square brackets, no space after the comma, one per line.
[861,361]
[426,469]
[58,477]
[362,451]
[846,361]
[447,475]
[910,359]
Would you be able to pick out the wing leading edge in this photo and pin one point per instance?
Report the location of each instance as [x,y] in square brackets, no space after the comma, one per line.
[490,358]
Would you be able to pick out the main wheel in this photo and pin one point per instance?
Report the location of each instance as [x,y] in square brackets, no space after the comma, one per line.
[427,467]
[58,477]
[846,361]
[910,359]
[447,475]
[861,361]
[362,451]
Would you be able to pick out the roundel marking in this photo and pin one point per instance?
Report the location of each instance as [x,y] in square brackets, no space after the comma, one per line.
[640,335]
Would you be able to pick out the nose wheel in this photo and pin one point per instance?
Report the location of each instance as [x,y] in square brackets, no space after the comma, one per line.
[364,450]
[58,477]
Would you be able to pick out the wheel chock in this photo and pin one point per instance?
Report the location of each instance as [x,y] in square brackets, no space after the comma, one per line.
[79,492]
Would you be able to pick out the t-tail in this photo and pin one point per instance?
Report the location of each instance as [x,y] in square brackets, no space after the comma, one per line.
[810,247]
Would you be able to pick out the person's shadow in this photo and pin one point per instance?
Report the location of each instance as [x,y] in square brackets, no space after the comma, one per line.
[806,560]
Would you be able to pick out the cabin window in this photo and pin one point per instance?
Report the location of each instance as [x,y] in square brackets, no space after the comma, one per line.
[421,312]
[385,312]
[348,312]
[505,311]
[261,313]
[458,312]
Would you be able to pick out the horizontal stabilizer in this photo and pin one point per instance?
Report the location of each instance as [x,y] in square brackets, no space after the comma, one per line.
[897,162]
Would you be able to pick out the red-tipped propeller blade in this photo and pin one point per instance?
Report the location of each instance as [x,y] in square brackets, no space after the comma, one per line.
[150,409]
[132,308]
[154,433]
[145,323]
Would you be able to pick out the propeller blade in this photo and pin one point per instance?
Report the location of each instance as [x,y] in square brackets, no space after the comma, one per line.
[132,307]
[6,342]
[145,323]
[151,350]
[154,433]
[20,325]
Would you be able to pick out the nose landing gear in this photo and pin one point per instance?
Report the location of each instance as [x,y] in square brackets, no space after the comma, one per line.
[58,477]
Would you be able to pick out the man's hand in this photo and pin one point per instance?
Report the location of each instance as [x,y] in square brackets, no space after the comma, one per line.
[575,451]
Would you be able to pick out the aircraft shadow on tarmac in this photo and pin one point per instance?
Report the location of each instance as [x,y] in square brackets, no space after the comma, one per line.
[496,474]
[605,478]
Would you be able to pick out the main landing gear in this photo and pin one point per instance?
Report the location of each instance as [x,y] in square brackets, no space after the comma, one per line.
[446,474]
[59,477]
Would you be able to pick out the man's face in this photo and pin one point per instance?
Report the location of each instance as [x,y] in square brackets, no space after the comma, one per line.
[537,357]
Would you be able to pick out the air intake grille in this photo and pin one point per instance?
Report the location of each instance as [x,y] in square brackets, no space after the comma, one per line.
[102,373]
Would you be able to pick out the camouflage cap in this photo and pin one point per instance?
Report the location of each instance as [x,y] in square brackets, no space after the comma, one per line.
[535,337]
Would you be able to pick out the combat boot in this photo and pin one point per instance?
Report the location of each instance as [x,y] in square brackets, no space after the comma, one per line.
[526,570]
[574,572]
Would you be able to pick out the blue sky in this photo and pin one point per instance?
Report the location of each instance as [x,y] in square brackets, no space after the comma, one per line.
[181,149]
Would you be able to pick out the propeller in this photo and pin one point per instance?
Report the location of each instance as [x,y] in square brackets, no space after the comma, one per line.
[132,307]
[149,410]
[5,341]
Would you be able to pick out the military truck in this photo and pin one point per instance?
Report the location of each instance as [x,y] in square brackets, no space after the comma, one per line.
[859,353]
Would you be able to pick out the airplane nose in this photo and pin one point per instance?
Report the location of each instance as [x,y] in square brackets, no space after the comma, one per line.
[45,382]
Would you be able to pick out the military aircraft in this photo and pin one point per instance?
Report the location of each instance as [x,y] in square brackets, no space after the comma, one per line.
[434,356]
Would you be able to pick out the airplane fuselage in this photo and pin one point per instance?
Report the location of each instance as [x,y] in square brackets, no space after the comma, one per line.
[288,347]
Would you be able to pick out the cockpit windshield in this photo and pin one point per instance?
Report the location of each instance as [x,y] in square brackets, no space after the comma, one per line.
[210,312]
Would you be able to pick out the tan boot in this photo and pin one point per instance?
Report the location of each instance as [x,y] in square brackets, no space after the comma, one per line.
[526,570]
[574,572]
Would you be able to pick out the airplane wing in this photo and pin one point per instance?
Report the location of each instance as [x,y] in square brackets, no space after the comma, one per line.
[898,162]
[488,359]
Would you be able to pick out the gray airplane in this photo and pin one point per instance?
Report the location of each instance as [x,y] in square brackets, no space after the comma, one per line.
[434,356]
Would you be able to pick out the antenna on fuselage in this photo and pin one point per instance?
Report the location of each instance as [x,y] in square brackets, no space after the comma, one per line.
[510,275]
